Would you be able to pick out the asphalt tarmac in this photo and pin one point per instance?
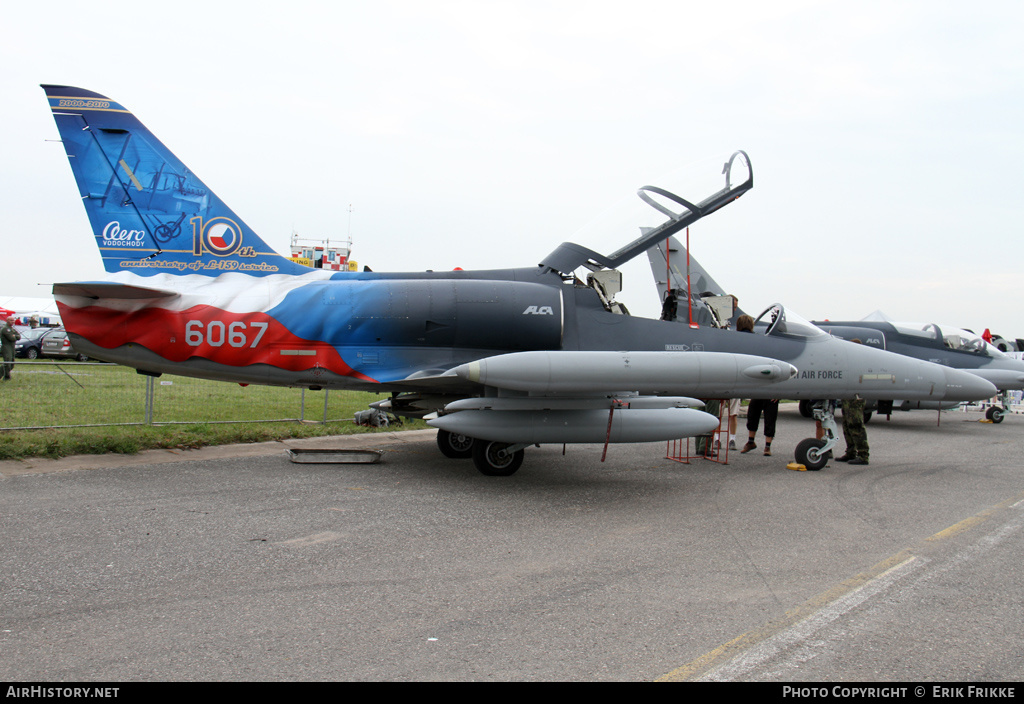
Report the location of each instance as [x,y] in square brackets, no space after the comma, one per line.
[237,564]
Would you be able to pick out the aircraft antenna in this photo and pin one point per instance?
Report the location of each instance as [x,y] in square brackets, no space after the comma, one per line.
[348,235]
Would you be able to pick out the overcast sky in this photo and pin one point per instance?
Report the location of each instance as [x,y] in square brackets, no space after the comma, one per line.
[885,137]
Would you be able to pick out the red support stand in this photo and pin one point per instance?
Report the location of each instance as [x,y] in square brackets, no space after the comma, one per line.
[679,450]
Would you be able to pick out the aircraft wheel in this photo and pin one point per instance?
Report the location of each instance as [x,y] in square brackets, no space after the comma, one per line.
[995,414]
[492,459]
[806,407]
[867,416]
[454,445]
[808,454]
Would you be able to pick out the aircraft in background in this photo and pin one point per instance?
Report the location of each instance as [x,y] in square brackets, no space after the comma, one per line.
[1004,345]
[498,360]
[947,346]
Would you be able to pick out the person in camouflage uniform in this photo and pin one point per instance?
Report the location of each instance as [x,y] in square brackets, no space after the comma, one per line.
[705,443]
[853,430]
[8,336]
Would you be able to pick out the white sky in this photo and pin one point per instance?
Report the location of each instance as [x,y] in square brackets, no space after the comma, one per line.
[886,137]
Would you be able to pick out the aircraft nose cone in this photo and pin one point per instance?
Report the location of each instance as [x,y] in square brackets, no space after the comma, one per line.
[964,386]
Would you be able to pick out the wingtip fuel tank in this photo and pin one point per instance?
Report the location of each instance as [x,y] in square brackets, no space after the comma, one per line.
[703,374]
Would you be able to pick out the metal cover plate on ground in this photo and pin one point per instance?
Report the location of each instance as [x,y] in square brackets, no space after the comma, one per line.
[314,456]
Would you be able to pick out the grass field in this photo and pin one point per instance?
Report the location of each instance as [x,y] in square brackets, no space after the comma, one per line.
[68,408]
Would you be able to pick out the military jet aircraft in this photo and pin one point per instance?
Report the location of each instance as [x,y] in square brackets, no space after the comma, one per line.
[946,345]
[498,360]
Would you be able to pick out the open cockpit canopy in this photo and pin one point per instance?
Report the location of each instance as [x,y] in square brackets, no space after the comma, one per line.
[657,212]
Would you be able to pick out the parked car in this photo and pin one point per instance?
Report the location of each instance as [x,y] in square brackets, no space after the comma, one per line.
[57,344]
[30,345]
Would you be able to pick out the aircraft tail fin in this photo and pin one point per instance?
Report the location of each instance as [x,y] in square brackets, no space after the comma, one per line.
[669,264]
[149,213]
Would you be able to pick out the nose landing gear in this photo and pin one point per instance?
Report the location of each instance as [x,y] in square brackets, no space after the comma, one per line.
[814,453]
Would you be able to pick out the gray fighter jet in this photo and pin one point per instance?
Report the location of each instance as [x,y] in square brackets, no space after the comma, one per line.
[498,360]
[945,344]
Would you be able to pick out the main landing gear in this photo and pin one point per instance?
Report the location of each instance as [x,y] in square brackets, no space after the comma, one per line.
[495,459]
[813,453]
[454,446]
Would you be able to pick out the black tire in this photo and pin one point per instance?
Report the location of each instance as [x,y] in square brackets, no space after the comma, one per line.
[995,414]
[81,357]
[806,408]
[32,353]
[454,446]
[807,454]
[491,459]
[867,416]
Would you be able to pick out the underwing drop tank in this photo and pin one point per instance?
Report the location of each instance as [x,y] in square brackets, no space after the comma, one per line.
[578,426]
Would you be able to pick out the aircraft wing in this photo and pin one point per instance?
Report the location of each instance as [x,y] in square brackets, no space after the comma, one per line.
[598,396]
[435,381]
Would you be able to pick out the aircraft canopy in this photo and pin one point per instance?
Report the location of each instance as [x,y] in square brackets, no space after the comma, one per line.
[786,323]
[951,337]
[657,212]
